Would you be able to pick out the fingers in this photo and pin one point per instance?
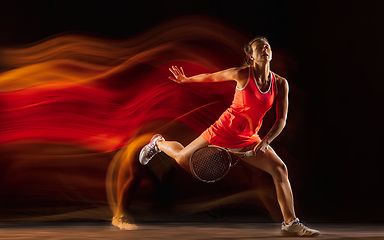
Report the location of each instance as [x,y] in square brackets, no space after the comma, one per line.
[261,149]
[172,71]
[174,79]
[176,71]
[258,153]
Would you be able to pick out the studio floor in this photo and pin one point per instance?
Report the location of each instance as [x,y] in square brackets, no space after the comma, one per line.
[180,230]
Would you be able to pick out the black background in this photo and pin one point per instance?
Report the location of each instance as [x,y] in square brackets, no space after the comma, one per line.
[338,48]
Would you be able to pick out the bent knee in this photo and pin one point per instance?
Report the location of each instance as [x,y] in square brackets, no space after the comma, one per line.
[182,159]
[280,172]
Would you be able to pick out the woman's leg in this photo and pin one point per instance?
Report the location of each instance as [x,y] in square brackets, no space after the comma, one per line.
[130,187]
[272,164]
[129,176]
[180,153]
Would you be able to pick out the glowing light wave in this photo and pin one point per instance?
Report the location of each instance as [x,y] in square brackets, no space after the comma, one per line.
[97,92]
[96,95]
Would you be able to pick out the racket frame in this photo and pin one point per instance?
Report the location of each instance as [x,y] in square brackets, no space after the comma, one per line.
[231,161]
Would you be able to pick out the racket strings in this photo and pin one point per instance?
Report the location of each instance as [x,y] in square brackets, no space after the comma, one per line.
[210,164]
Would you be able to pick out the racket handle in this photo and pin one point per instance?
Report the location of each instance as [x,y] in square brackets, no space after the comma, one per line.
[249,153]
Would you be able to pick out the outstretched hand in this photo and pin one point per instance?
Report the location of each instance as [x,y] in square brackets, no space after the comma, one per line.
[178,74]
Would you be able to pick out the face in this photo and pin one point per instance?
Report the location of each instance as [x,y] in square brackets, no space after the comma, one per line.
[261,51]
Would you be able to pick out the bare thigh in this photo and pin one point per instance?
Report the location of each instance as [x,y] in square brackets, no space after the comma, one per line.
[269,162]
[180,153]
[187,152]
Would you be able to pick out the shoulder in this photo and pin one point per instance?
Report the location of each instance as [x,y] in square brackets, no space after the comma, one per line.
[281,83]
[279,79]
[239,70]
[242,73]
[235,73]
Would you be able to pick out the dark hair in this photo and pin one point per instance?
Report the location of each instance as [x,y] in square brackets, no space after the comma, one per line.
[248,49]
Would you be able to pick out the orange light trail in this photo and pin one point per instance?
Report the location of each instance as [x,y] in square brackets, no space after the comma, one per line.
[74,92]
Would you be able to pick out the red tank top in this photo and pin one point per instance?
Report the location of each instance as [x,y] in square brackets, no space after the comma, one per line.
[238,126]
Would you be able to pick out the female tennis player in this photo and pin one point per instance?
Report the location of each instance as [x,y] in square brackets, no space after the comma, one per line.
[237,128]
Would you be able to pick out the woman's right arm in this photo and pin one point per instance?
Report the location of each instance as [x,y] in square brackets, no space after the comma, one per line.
[231,74]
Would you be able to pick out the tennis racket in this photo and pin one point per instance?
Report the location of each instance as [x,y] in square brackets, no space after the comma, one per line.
[211,163]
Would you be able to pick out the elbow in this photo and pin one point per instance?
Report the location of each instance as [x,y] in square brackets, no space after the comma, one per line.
[282,121]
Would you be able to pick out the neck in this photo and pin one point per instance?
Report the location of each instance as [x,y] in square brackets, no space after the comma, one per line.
[261,71]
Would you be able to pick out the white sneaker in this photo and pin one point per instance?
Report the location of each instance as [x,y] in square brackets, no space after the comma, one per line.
[150,150]
[123,224]
[297,228]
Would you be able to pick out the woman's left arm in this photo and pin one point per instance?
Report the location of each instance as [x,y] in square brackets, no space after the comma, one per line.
[281,116]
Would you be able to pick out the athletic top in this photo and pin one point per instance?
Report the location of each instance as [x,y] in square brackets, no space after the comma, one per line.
[238,126]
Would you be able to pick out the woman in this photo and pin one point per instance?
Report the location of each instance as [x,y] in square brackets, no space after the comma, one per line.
[237,128]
